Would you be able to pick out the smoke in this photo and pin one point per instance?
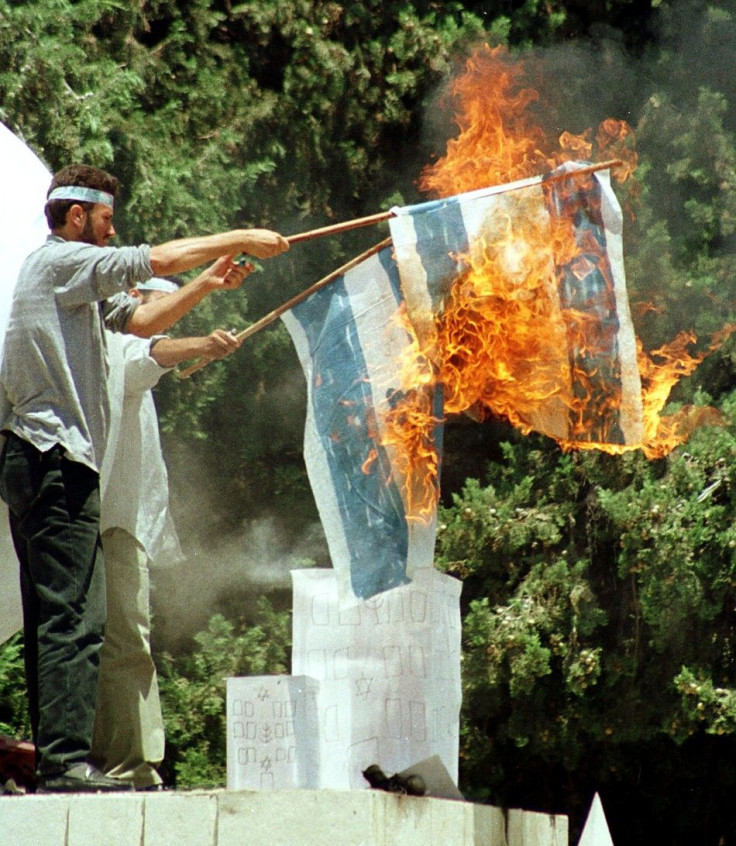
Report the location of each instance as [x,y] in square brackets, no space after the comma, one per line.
[676,90]
[229,578]
[585,81]
[243,525]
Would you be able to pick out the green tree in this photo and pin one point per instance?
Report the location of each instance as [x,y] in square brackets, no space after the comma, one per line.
[213,114]
[14,718]
[598,633]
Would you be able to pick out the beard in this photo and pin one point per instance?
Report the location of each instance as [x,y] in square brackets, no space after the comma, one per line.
[88,235]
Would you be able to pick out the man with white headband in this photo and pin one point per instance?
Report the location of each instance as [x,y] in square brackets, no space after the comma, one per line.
[55,415]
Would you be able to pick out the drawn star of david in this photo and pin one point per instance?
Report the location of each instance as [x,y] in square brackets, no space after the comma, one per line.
[363,686]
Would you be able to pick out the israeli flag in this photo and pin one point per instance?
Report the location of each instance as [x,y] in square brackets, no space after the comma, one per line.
[595,395]
[350,342]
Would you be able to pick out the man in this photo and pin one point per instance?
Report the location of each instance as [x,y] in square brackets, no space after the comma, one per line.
[54,378]
[137,531]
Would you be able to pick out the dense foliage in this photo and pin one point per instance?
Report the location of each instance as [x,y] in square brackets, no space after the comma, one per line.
[598,590]
[599,632]
[14,720]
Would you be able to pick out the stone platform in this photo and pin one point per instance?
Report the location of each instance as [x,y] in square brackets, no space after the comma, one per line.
[268,818]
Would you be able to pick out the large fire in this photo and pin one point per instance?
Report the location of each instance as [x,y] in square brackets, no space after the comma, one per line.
[494,350]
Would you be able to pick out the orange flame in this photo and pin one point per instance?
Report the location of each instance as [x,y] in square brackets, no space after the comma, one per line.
[663,434]
[495,349]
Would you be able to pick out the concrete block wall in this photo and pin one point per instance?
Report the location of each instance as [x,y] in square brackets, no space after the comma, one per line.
[268,818]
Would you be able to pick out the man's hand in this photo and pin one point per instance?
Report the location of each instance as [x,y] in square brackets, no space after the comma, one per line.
[186,253]
[264,243]
[168,352]
[220,344]
[225,274]
[158,315]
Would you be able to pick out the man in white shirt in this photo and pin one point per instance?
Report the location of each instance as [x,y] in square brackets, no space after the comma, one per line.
[137,532]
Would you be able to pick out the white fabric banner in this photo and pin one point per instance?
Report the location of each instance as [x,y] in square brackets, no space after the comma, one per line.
[25,181]
[349,343]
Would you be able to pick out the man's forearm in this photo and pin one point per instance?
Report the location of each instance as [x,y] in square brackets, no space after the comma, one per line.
[158,316]
[168,352]
[186,253]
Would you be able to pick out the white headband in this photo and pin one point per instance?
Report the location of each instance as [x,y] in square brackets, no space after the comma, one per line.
[157,284]
[84,195]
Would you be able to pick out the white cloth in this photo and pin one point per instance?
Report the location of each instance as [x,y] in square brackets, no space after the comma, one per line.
[23,227]
[134,482]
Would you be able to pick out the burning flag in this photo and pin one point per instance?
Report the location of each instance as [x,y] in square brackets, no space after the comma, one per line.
[538,327]
[514,305]
[377,359]
[349,340]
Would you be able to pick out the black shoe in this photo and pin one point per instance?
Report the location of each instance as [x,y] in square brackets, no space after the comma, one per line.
[81,778]
[412,784]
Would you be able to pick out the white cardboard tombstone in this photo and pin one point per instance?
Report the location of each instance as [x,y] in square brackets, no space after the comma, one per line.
[271,733]
[389,673]
[375,682]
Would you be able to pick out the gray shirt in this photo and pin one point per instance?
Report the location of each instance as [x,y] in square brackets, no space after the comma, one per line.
[54,364]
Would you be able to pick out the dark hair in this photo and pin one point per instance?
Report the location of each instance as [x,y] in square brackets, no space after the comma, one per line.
[82,175]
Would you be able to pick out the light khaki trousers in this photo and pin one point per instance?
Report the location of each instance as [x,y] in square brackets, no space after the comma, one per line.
[128,738]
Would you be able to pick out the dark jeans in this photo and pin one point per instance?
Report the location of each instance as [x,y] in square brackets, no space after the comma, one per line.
[54,508]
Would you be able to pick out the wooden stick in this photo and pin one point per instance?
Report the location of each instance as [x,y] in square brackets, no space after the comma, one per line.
[340,227]
[583,170]
[295,300]
[347,225]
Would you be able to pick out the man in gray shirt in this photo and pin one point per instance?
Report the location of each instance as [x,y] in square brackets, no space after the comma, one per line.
[55,414]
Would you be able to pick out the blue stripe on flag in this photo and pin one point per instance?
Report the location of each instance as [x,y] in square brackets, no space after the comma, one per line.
[441,237]
[369,503]
[587,295]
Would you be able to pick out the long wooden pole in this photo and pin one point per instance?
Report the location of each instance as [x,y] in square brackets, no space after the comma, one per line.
[335,228]
[347,225]
[295,300]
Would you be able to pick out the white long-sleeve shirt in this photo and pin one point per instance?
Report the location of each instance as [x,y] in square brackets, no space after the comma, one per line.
[134,482]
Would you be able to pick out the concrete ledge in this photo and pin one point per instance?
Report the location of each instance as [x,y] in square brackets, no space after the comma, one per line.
[268,818]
